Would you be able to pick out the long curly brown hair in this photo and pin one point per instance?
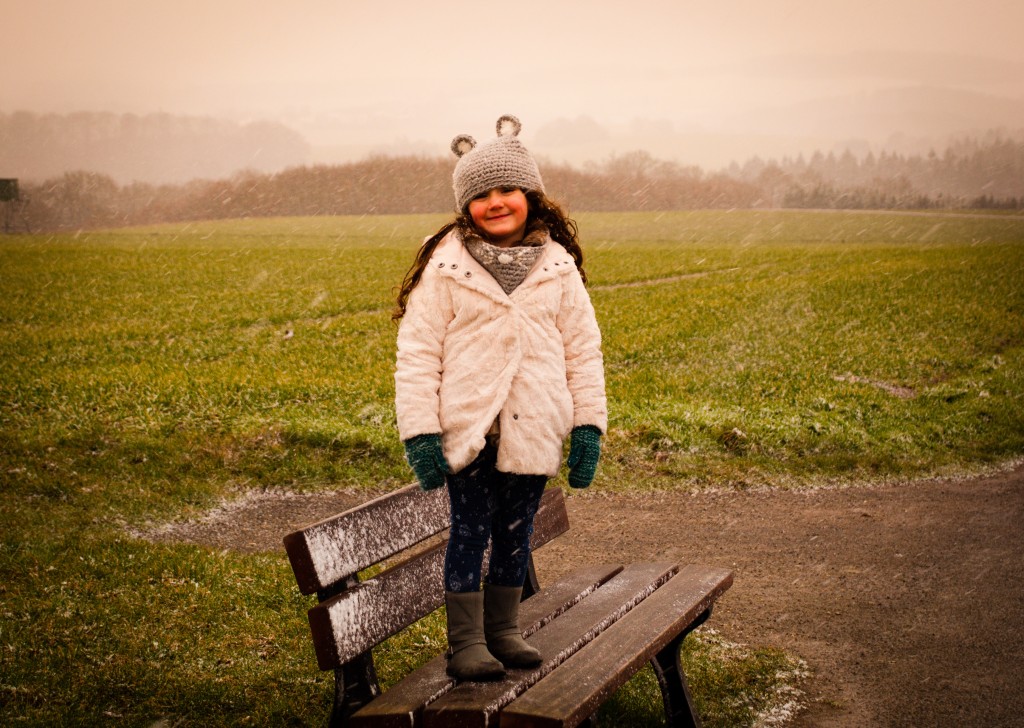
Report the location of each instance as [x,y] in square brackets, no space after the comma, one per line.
[561,228]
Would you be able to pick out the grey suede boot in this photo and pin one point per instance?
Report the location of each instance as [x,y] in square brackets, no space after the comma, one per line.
[468,658]
[501,627]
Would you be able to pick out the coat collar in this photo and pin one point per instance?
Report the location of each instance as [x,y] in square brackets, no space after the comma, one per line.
[452,260]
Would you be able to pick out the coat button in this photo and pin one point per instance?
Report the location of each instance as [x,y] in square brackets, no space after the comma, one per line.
[468,274]
[515,417]
[440,265]
[454,266]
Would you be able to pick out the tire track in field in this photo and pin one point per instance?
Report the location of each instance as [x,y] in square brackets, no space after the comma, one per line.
[325,321]
[659,281]
[913,213]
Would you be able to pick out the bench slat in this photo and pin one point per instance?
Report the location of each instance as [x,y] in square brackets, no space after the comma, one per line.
[359,618]
[475,704]
[580,685]
[399,707]
[333,549]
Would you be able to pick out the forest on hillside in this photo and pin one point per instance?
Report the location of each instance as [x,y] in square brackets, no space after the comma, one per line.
[986,172]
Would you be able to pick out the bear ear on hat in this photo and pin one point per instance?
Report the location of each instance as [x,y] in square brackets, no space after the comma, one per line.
[508,125]
[462,144]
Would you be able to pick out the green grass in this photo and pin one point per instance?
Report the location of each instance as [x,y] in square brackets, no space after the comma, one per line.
[149,373]
[796,336]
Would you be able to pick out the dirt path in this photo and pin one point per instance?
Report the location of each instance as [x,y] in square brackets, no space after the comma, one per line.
[907,602]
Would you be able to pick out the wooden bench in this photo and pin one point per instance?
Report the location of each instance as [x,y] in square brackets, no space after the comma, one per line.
[595,627]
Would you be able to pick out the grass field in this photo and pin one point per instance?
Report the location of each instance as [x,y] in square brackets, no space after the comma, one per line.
[150,373]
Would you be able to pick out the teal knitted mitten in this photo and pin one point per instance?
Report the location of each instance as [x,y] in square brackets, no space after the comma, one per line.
[426,457]
[584,450]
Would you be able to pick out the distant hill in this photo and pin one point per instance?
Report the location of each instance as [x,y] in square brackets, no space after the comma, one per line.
[905,120]
[155,148]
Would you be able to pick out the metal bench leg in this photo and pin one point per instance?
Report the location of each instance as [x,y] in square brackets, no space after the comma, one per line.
[532,585]
[355,685]
[675,692]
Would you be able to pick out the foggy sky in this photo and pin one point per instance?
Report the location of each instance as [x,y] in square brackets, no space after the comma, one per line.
[353,76]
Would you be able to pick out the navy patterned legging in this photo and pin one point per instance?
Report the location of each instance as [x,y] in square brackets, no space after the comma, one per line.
[487,504]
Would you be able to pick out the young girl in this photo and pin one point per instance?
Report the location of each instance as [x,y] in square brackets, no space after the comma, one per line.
[499,360]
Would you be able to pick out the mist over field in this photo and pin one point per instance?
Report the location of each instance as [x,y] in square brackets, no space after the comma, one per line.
[191,90]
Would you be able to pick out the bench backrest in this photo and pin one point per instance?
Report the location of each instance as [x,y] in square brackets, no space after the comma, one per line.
[354,616]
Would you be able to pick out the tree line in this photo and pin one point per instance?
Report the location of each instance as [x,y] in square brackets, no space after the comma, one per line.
[971,174]
[985,172]
[376,185]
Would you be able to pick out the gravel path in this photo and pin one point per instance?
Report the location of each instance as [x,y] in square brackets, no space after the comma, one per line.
[906,601]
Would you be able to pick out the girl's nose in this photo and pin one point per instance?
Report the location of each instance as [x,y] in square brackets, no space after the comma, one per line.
[494,197]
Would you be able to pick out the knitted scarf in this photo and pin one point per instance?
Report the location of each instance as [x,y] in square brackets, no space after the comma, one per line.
[509,266]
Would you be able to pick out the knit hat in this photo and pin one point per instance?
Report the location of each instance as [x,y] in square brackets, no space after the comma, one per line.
[501,162]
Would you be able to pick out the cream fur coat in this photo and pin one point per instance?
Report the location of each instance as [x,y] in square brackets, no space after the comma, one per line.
[468,353]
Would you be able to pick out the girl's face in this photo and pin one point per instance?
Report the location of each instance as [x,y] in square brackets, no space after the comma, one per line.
[500,215]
